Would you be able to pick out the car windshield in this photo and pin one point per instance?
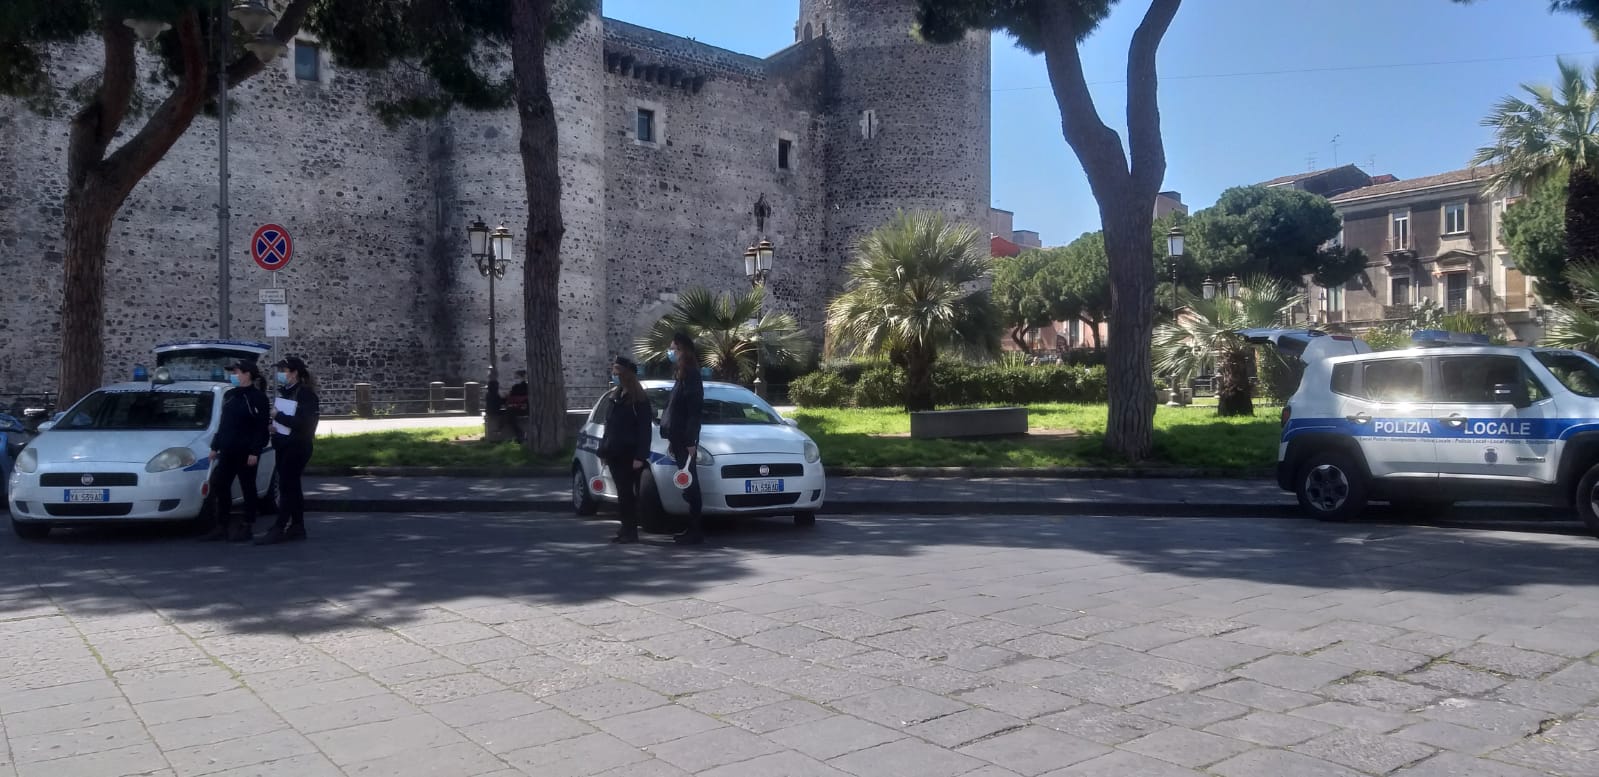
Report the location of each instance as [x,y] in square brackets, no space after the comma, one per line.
[724,407]
[1577,372]
[140,410]
[201,363]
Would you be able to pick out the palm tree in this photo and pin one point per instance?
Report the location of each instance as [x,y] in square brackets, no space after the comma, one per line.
[1205,337]
[914,290]
[730,330]
[1575,324]
[1551,133]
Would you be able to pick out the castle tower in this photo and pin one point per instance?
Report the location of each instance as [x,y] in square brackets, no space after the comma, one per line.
[908,121]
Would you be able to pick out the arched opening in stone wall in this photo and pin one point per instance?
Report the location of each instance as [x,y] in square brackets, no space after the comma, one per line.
[807,30]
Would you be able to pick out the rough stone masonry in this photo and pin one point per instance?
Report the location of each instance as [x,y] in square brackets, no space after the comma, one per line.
[854,121]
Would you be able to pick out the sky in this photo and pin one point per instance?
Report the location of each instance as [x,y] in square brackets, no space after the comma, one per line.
[1250,89]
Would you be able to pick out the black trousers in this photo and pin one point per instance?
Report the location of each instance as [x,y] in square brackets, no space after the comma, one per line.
[626,480]
[228,467]
[292,460]
[691,495]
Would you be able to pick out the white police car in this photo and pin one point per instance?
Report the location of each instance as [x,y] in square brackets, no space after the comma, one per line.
[134,451]
[1451,419]
[751,461]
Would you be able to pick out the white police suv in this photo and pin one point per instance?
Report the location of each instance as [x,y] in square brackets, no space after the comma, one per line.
[1450,419]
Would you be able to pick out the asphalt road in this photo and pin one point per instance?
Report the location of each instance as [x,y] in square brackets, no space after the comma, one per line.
[977,646]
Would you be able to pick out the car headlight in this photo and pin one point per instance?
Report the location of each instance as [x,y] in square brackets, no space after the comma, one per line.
[703,457]
[28,460]
[813,454]
[170,459]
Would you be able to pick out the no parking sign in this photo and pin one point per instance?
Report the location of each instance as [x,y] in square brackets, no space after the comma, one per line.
[271,247]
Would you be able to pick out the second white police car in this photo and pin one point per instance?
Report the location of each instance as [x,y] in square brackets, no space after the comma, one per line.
[1450,419]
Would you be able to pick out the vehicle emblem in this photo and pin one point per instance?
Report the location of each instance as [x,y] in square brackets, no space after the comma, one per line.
[765,470]
[88,479]
[1491,456]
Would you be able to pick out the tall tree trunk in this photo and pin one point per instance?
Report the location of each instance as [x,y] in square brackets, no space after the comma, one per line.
[1124,185]
[919,378]
[98,184]
[541,273]
[1582,217]
[1018,335]
[1232,384]
[1099,341]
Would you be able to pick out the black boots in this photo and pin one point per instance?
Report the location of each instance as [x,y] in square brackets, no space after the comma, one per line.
[280,533]
[242,531]
[626,536]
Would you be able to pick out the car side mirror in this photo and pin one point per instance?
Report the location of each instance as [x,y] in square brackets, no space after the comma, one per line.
[1512,394]
[794,422]
[47,426]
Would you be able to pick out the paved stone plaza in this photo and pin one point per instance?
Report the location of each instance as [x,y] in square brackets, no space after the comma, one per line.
[470,645]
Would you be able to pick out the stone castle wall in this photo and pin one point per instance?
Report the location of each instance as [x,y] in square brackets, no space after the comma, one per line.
[382,288]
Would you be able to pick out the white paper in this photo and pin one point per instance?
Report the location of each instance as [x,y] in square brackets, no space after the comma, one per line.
[286,407]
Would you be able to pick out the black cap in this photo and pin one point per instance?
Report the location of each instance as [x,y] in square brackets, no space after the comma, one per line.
[242,365]
[292,362]
[625,363]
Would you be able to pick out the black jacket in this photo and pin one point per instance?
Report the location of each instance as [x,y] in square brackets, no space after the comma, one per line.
[244,422]
[302,425]
[680,423]
[627,429]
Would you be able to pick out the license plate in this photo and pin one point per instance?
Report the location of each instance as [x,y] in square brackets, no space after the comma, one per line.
[763,486]
[88,495]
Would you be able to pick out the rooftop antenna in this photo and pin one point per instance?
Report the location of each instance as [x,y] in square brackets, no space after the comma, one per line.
[1310,163]
[1335,149]
[1371,163]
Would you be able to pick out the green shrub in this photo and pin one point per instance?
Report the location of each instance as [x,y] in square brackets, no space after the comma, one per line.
[880,387]
[820,389]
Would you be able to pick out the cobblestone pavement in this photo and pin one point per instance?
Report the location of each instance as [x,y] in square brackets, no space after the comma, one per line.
[886,646]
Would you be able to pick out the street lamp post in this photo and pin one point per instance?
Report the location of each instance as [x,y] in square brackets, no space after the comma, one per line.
[492,252]
[758,267]
[257,20]
[1174,255]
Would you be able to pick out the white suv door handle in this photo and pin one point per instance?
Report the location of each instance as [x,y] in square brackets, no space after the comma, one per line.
[1359,418]
[1454,420]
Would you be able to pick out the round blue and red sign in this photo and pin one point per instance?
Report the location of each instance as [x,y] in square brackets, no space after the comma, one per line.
[271,247]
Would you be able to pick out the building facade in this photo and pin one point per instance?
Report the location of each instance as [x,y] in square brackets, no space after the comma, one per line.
[675,156]
[1434,238]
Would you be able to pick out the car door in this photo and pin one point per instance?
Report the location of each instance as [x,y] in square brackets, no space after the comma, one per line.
[1392,419]
[1482,432]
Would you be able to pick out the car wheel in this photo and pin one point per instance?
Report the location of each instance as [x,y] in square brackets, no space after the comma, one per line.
[206,518]
[1331,487]
[582,501]
[805,518]
[268,503]
[1587,499]
[30,530]
[652,516]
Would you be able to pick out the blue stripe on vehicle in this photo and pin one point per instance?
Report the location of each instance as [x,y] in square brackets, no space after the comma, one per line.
[199,465]
[1531,429]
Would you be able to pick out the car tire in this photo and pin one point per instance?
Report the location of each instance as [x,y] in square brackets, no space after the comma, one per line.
[1587,493]
[652,516]
[583,502]
[1331,486]
[30,530]
[805,518]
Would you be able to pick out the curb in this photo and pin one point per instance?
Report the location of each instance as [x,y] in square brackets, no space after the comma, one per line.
[1049,473]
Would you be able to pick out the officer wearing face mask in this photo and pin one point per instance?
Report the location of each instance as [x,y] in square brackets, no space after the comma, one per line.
[235,451]
[294,420]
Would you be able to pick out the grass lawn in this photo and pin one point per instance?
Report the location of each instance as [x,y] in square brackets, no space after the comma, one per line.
[1188,437]
[455,446]
[1063,436]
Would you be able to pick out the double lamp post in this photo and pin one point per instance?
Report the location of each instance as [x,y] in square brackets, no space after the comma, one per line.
[758,267]
[491,250]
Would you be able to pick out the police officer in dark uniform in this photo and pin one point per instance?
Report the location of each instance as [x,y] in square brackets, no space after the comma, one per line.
[680,425]
[292,438]
[625,445]
[236,449]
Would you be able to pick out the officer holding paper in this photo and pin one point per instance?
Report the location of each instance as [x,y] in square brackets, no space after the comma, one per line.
[294,419]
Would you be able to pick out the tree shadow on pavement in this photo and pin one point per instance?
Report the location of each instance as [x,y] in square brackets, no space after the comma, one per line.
[361,569]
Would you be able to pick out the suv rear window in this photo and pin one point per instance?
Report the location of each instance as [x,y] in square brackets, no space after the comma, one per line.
[1343,379]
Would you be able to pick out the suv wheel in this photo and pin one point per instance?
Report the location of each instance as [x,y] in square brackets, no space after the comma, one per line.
[582,501]
[30,530]
[1331,487]
[1587,499]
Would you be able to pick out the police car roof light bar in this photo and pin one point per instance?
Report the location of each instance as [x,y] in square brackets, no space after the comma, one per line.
[1441,337]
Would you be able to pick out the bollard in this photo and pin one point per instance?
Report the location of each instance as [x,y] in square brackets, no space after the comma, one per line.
[474,397]
[363,400]
[436,397]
